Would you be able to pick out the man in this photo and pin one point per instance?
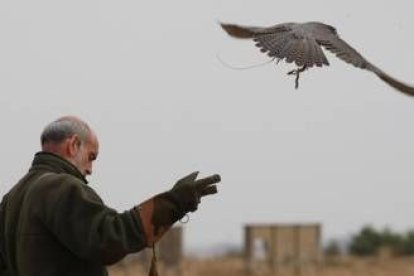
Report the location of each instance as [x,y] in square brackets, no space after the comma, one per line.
[53,223]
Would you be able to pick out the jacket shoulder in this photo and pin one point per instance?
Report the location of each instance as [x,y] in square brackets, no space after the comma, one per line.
[56,186]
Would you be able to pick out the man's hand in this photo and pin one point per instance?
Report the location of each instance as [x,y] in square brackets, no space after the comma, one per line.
[188,191]
[160,212]
[184,197]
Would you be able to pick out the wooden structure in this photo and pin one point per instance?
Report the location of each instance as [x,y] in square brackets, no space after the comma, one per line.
[282,249]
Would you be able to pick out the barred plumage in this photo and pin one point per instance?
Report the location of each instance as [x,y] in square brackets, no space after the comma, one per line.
[302,43]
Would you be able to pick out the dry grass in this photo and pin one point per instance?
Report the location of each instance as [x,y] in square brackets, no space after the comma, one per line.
[370,266]
[235,266]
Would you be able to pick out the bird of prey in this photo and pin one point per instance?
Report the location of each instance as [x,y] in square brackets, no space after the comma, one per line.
[302,43]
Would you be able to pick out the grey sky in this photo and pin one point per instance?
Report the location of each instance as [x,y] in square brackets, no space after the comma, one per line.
[145,75]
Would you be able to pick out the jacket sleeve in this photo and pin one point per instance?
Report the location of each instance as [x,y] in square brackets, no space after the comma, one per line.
[2,263]
[3,266]
[80,221]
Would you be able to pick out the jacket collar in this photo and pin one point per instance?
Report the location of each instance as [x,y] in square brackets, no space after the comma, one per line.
[54,163]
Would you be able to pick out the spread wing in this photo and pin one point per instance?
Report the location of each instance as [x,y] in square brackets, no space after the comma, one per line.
[333,43]
[301,43]
[282,42]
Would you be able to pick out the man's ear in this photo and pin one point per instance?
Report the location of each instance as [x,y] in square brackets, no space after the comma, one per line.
[72,145]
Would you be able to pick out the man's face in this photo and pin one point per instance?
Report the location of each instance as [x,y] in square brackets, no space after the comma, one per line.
[86,154]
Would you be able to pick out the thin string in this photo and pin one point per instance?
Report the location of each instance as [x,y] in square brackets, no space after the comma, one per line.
[153,268]
[243,68]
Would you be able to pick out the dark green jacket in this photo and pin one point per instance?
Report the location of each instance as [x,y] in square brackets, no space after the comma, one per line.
[53,223]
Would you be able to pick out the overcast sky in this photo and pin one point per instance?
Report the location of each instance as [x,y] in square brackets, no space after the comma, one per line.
[144,74]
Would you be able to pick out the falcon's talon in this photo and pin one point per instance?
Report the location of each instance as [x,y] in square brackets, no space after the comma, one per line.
[297,73]
[291,72]
[297,81]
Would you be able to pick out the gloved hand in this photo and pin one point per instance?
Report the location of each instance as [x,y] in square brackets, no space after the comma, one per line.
[184,197]
[188,191]
[160,212]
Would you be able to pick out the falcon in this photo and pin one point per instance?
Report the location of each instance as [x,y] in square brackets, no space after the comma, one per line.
[303,43]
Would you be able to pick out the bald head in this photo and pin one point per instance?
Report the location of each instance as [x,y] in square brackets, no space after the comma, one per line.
[72,139]
[63,128]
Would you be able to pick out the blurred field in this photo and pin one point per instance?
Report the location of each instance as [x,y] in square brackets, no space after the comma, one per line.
[235,266]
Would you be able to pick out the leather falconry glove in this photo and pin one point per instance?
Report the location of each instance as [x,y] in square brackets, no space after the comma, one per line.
[160,212]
